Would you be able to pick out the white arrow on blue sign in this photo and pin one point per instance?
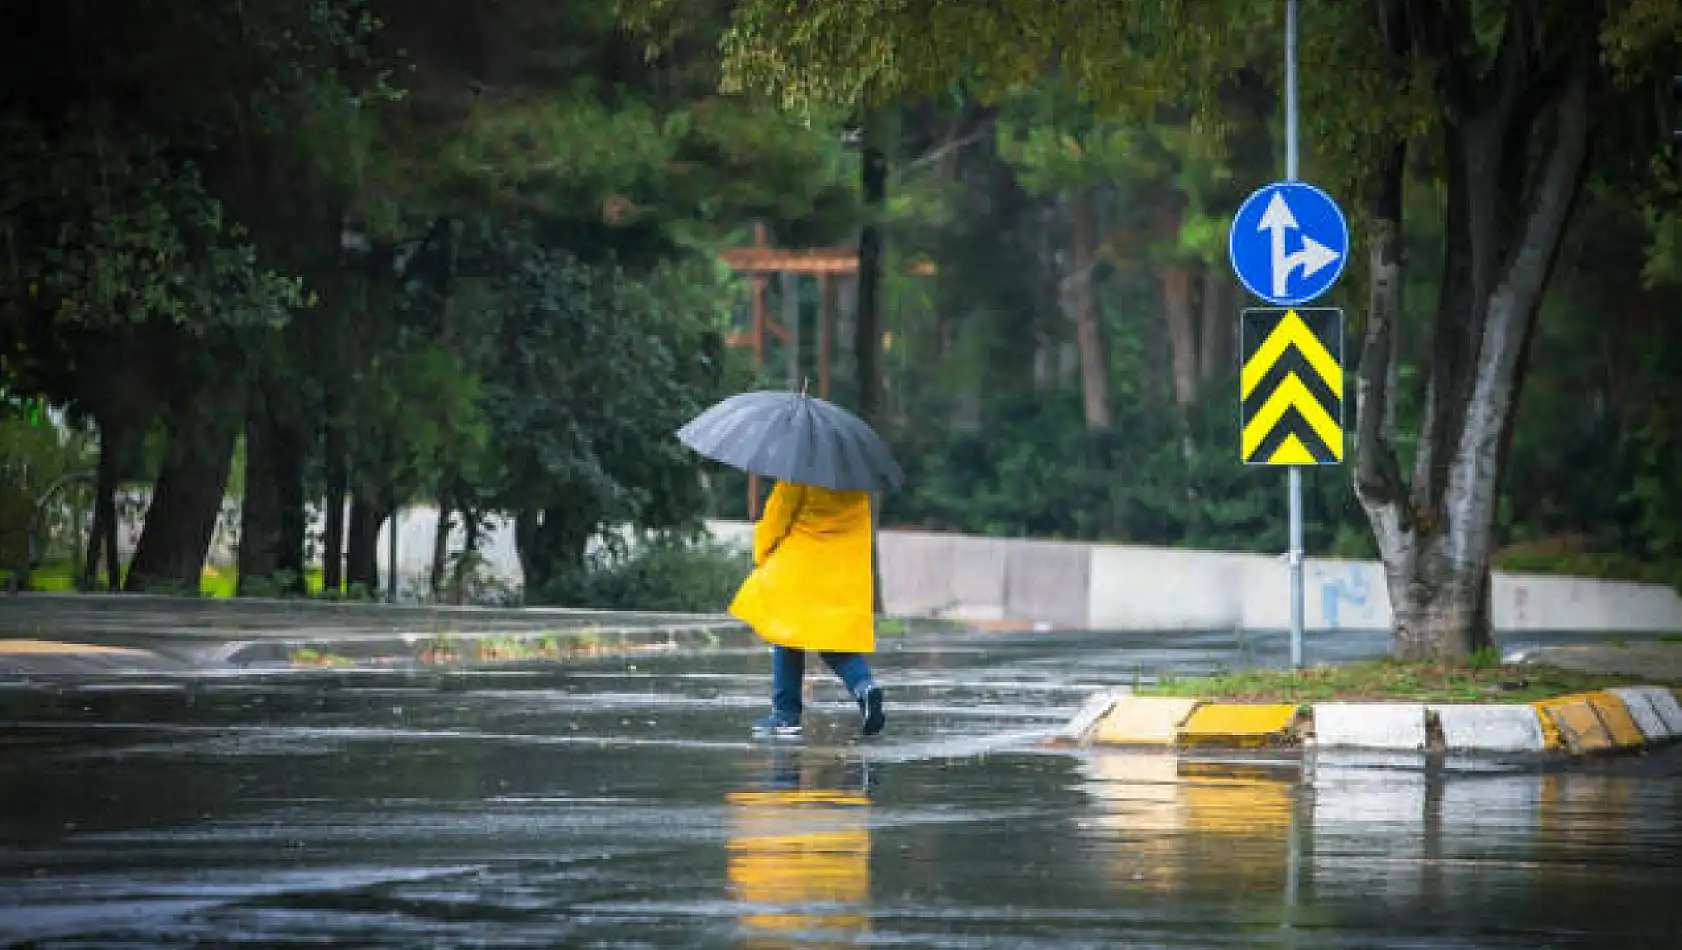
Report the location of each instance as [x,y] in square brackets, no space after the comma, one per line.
[1289,243]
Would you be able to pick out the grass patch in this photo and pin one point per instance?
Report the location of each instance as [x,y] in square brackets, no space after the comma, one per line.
[910,626]
[1390,680]
[59,577]
[308,657]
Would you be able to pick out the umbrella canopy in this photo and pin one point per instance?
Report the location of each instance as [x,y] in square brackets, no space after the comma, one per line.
[793,437]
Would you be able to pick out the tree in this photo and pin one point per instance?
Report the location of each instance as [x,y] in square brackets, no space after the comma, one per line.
[1501,98]
[586,443]
[1505,213]
[588,267]
[1061,150]
[139,274]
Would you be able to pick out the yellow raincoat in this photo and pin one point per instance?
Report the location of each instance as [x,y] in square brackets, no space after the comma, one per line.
[811,587]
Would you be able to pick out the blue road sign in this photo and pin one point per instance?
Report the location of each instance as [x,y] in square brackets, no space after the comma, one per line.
[1289,243]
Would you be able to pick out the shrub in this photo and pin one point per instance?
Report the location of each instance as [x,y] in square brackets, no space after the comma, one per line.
[660,572]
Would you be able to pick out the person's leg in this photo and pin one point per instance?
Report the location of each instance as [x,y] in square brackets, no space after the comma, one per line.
[788,670]
[854,672]
[852,668]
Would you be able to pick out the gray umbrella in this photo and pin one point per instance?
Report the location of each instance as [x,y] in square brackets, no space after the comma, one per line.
[793,437]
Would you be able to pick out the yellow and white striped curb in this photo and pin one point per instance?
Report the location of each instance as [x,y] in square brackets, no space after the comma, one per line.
[28,647]
[1165,721]
[1614,720]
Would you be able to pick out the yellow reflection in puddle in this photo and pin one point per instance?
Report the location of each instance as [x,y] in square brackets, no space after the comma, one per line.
[1176,824]
[803,854]
[1585,808]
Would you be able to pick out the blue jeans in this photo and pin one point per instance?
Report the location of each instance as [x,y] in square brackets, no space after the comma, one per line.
[788,668]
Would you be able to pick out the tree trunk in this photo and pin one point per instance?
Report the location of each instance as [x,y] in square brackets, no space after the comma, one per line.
[1216,328]
[552,545]
[333,519]
[469,548]
[187,498]
[440,550]
[1438,610]
[867,321]
[122,398]
[103,535]
[271,534]
[1436,540]
[259,510]
[1182,332]
[1044,318]
[1089,325]
[96,535]
[294,520]
[525,543]
[867,325]
[362,559]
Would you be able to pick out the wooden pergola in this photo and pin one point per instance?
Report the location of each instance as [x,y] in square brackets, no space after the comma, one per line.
[759,262]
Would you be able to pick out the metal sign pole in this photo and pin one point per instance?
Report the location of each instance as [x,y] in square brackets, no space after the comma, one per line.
[1295,470]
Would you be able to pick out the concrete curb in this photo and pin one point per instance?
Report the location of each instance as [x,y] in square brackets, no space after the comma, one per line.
[24,658]
[469,649]
[363,649]
[1626,719]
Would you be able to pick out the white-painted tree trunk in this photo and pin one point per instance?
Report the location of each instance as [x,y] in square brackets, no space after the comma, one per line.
[1436,535]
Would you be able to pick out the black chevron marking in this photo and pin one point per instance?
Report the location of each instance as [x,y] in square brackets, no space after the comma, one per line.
[1258,325]
[1291,361]
[1292,423]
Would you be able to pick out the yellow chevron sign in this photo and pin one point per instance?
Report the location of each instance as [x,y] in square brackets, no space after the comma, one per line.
[1291,386]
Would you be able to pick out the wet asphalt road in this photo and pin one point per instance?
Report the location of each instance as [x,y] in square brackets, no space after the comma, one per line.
[620,803]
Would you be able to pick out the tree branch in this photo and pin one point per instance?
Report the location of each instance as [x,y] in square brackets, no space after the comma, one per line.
[1378,476]
[952,144]
[1501,89]
[1440,33]
[1511,312]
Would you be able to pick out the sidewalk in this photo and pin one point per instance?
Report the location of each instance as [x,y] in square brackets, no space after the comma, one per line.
[47,634]
[1653,659]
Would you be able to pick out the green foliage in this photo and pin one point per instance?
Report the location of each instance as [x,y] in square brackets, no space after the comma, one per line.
[423,411]
[660,571]
[36,455]
[101,229]
[594,370]
[1036,472]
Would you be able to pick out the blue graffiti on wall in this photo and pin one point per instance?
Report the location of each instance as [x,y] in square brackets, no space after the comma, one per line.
[1338,587]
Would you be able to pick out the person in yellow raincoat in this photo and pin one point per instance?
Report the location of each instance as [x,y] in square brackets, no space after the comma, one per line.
[811,590]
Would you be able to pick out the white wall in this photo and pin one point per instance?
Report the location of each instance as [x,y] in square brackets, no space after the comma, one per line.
[1120,587]
[1114,587]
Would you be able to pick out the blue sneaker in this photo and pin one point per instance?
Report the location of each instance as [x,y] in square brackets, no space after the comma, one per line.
[870,707]
[776,727]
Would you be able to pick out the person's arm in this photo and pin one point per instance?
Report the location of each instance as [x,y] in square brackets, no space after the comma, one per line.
[777,520]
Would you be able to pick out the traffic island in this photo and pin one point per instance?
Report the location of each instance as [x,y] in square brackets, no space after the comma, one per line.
[1389,707]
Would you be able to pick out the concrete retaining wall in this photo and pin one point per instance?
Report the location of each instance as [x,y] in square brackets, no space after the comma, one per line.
[1117,587]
